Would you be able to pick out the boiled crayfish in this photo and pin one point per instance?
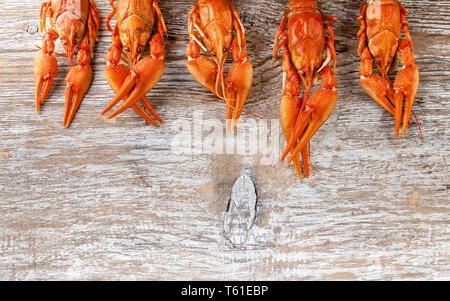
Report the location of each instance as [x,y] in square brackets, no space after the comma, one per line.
[303,38]
[76,23]
[379,40]
[211,25]
[139,23]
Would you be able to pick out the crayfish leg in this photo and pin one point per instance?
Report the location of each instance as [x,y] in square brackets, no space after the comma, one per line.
[405,86]
[45,68]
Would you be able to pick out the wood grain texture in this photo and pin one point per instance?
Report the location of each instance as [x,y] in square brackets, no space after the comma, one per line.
[109,200]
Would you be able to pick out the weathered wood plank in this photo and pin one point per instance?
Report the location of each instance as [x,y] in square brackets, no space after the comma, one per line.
[109,200]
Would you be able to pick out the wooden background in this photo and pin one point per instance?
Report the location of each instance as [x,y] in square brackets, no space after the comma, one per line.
[109,200]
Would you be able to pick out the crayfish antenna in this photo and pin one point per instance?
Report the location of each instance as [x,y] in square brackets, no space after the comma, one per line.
[418,124]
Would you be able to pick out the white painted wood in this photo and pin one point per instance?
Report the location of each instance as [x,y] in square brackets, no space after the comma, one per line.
[109,200]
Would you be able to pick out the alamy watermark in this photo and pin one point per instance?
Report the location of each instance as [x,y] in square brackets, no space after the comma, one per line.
[252,137]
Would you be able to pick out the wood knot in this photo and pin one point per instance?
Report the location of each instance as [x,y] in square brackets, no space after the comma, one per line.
[241,211]
[32,29]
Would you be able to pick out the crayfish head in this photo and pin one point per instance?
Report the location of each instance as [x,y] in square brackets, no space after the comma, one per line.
[71,31]
[218,46]
[134,35]
[218,40]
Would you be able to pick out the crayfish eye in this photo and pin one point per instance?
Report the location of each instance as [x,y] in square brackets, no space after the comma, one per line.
[139,50]
[127,49]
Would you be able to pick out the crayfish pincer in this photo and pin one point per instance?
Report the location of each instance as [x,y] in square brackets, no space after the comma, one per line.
[303,38]
[139,23]
[382,22]
[76,24]
[216,29]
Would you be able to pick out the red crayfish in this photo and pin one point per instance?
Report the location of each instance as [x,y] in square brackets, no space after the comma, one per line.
[382,21]
[76,24]
[211,25]
[304,41]
[139,23]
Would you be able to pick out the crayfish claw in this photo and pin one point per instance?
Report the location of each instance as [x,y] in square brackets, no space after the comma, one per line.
[131,85]
[378,89]
[78,81]
[405,86]
[124,91]
[204,71]
[45,70]
[117,75]
[319,106]
[239,81]
[142,78]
